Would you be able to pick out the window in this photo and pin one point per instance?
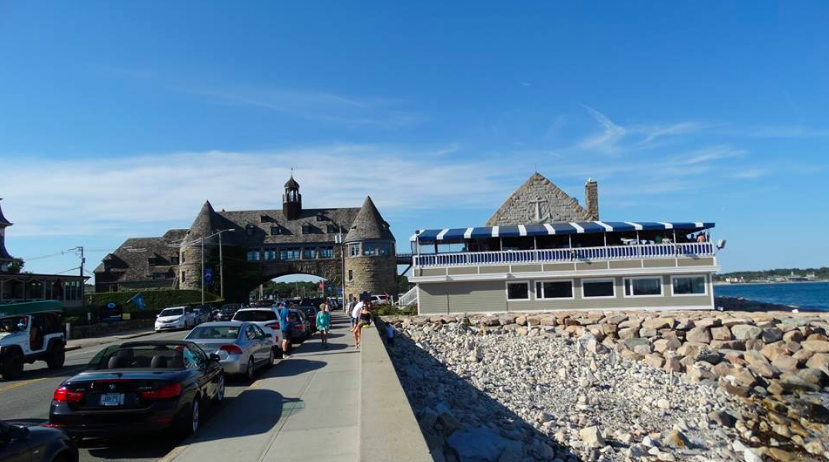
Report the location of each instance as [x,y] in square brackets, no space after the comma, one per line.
[327,252]
[253,255]
[249,230]
[688,285]
[184,276]
[369,249]
[553,289]
[309,253]
[350,275]
[518,291]
[333,229]
[264,219]
[270,254]
[158,276]
[183,259]
[384,249]
[289,253]
[276,230]
[306,229]
[152,261]
[174,260]
[353,250]
[595,288]
[643,287]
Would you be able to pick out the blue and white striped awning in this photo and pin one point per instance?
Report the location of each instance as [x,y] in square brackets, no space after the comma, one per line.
[580,227]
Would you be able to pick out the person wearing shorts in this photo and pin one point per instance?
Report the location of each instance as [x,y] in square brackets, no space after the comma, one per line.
[283,324]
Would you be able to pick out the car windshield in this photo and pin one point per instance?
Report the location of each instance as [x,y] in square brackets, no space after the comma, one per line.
[213,332]
[154,356]
[172,312]
[255,315]
[13,324]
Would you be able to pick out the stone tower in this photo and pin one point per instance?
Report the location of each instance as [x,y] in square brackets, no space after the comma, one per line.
[5,258]
[370,261]
[206,223]
[292,200]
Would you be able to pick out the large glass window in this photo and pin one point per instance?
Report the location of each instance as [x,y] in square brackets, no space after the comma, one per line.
[553,289]
[253,255]
[270,254]
[327,252]
[689,285]
[289,253]
[369,249]
[309,253]
[592,288]
[518,291]
[642,287]
[353,250]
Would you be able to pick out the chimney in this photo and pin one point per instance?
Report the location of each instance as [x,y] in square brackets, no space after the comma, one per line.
[591,199]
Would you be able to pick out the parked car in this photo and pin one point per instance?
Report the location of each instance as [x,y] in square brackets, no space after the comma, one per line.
[136,387]
[36,444]
[266,318]
[226,312]
[379,299]
[299,326]
[310,313]
[174,318]
[242,347]
[31,332]
[202,313]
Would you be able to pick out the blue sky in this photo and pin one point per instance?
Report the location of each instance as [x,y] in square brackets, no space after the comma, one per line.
[120,119]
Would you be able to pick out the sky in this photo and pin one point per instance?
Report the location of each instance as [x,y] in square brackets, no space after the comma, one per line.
[119,119]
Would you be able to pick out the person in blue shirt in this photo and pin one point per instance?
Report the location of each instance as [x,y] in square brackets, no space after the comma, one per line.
[283,324]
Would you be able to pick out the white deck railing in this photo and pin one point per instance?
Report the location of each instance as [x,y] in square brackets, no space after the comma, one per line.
[579,254]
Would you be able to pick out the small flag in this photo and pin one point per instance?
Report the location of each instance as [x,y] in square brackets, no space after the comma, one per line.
[139,301]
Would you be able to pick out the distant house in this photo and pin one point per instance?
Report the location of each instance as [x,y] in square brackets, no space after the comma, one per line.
[25,287]
[542,250]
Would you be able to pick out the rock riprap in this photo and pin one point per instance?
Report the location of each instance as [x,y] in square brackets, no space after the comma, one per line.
[618,386]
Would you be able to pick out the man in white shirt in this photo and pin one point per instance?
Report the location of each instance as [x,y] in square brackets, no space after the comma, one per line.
[355,313]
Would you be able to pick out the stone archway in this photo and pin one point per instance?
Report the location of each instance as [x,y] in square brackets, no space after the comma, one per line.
[249,276]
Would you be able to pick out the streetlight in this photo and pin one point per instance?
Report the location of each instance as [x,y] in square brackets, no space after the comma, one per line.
[339,239]
[201,239]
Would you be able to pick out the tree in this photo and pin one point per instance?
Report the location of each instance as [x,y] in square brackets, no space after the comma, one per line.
[16,266]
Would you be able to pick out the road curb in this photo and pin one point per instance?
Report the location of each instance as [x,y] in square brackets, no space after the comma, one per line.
[132,336]
[72,348]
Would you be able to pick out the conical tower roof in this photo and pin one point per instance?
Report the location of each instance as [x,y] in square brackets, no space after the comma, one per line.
[3,220]
[369,225]
[291,184]
[206,223]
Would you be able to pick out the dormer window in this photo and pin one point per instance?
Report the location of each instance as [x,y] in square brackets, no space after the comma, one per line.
[276,230]
[306,229]
[321,217]
[333,229]
[249,229]
[264,219]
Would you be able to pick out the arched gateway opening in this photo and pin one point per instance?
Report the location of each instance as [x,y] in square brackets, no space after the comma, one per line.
[295,287]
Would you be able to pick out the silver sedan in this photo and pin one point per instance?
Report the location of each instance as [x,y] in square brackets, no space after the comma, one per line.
[242,347]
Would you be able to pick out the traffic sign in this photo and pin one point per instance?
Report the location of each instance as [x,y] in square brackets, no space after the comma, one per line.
[208,275]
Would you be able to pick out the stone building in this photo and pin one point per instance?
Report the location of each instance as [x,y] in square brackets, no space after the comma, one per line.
[538,200]
[258,245]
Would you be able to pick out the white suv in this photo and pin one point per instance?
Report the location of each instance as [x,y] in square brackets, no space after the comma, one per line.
[28,335]
[175,317]
[267,319]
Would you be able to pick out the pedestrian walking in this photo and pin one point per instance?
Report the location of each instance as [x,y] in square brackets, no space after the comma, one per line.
[324,324]
[283,324]
[365,318]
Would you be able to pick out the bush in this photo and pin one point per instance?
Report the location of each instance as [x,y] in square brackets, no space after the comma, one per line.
[391,310]
[155,300]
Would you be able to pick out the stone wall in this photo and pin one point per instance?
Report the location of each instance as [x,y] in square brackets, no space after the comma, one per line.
[776,364]
[106,328]
[519,208]
[376,275]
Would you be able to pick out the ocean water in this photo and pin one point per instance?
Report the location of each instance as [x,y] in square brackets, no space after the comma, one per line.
[813,295]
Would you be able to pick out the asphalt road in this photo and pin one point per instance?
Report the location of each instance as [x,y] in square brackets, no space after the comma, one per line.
[27,400]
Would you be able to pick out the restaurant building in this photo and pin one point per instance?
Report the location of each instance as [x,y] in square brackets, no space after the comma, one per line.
[543,251]
[17,286]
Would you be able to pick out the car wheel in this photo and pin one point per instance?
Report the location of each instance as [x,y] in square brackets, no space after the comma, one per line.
[220,390]
[57,356]
[189,423]
[13,368]
[251,372]
[279,353]
[270,359]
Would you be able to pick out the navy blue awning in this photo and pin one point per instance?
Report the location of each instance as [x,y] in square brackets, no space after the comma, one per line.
[459,234]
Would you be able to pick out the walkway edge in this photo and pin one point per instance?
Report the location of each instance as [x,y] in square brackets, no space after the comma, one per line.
[388,427]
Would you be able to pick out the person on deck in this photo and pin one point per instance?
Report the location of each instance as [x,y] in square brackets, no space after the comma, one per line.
[324,324]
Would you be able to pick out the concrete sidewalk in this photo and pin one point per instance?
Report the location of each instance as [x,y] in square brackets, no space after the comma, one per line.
[305,408]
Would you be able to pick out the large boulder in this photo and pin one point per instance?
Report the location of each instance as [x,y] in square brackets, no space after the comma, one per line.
[746,332]
[772,335]
[819,361]
[592,436]
[481,444]
[721,333]
[659,323]
[818,346]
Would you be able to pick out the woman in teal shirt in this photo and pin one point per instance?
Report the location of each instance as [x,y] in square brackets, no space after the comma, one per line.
[324,323]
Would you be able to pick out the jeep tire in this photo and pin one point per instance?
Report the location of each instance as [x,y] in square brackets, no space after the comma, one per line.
[12,366]
[57,355]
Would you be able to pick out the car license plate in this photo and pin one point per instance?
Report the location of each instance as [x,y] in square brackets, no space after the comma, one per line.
[112,399]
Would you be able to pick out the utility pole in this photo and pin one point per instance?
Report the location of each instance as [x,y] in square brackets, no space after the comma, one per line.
[83,286]
[339,240]
[221,270]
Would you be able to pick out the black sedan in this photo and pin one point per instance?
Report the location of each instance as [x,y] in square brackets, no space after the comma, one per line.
[136,387]
[35,444]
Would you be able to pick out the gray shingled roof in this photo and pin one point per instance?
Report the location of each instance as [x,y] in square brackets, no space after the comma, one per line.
[369,225]
[206,222]
[131,259]
[260,223]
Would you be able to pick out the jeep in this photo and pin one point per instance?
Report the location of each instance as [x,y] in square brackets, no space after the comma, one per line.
[28,334]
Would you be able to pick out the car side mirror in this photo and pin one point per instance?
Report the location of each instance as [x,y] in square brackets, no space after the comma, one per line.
[214,357]
[21,326]
[17,433]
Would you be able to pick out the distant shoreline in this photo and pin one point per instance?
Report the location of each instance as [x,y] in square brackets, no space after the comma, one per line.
[730,303]
[723,283]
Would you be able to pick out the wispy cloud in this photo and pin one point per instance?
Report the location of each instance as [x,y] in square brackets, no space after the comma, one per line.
[606,140]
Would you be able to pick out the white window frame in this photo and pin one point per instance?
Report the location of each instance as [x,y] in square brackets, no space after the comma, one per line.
[602,297]
[529,291]
[678,276]
[572,289]
[661,287]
